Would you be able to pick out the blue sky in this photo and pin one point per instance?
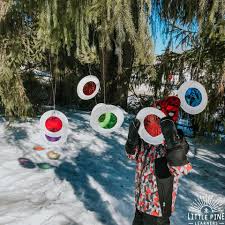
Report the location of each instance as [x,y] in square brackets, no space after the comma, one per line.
[156,26]
[160,43]
[160,40]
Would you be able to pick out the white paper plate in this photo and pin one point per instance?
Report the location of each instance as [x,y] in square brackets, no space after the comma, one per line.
[59,115]
[111,112]
[193,97]
[142,114]
[83,82]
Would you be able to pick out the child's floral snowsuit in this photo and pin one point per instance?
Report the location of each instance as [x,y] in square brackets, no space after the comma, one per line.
[146,191]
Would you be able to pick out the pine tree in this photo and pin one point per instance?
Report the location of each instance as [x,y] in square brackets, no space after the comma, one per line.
[113,34]
[114,37]
[200,26]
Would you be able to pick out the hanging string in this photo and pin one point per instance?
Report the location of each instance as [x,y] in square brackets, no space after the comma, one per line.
[54,93]
[53,83]
[199,60]
[96,101]
[103,74]
[89,68]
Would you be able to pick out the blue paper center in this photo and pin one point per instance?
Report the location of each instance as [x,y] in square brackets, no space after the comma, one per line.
[193,97]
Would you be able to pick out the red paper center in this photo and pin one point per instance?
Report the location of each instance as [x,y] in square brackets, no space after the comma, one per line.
[152,125]
[89,88]
[170,76]
[53,124]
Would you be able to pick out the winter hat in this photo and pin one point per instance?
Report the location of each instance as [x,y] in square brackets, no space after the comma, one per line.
[170,106]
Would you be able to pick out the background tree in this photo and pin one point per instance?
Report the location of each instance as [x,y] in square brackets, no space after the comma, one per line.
[198,27]
[112,35]
[111,39]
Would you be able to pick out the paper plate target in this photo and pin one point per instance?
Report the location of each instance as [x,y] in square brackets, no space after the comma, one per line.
[54,127]
[88,87]
[106,118]
[149,129]
[193,97]
[54,123]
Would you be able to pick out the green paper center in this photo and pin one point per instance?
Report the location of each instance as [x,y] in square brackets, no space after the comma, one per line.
[44,166]
[107,120]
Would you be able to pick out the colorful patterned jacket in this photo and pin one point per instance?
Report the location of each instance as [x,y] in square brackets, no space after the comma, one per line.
[146,191]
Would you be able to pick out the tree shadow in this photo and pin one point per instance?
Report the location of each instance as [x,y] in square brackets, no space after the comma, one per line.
[15,134]
[110,169]
[210,174]
[115,173]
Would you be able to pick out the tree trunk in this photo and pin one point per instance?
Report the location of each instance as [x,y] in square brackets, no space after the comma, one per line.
[116,83]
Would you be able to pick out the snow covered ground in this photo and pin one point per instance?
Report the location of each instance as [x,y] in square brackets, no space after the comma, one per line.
[93,182]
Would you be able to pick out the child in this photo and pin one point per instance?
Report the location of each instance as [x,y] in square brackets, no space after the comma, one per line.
[158,168]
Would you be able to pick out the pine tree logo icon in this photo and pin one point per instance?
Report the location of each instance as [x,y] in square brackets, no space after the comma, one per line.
[206,210]
[206,205]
